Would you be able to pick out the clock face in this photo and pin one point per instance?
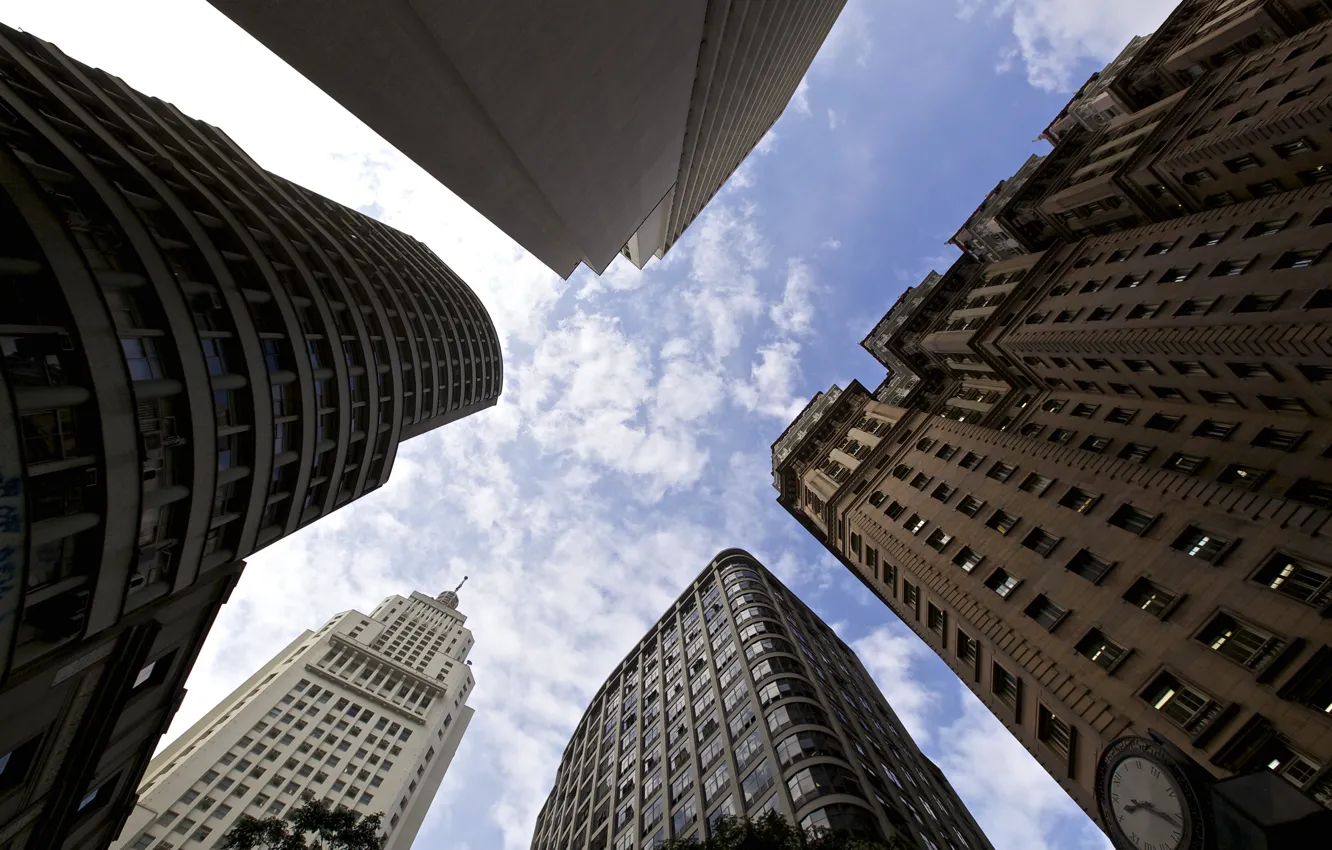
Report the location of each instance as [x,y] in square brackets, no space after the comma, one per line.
[1148,805]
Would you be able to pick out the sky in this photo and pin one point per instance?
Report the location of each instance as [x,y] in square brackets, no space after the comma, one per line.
[632,440]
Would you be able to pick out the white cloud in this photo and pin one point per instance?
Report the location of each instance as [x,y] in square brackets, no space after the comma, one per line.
[795,312]
[890,656]
[849,41]
[770,389]
[726,253]
[831,244]
[834,120]
[800,100]
[1055,38]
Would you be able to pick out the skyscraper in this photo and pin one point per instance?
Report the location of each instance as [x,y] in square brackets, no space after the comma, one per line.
[199,358]
[741,701]
[1097,479]
[582,129]
[365,713]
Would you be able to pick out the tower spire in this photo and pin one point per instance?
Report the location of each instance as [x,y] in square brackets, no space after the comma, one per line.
[450,597]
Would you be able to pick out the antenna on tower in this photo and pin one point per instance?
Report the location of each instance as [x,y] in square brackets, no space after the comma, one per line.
[460,584]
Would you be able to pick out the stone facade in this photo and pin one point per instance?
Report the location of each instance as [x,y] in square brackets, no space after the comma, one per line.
[1111,516]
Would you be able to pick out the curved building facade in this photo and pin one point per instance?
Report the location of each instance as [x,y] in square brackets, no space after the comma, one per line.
[741,701]
[199,358]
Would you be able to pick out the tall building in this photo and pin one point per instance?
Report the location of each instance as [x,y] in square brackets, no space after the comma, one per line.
[365,713]
[199,358]
[1103,497]
[741,701]
[582,129]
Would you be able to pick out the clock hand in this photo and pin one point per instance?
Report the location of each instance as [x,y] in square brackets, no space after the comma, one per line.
[1154,810]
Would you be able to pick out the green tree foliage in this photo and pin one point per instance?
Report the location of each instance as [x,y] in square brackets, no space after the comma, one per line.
[314,826]
[773,832]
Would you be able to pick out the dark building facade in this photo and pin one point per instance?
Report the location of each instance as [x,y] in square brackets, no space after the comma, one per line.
[582,129]
[740,701]
[199,358]
[1104,496]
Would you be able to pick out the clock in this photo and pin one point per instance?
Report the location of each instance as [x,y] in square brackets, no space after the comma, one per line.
[1147,798]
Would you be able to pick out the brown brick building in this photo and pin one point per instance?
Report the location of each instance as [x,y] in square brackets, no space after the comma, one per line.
[1098,479]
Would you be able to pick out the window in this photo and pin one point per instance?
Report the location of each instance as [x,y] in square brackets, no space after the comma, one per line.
[1001,471]
[1284,404]
[1187,464]
[968,650]
[1142,366]
[1244,477]
[1297,578]
[1278,438]
[1130,281]
[1036,484]
[1005,686]
[1151,597]
[1091,567]
[1100,650]
[1215,430]
[1121,415]
[1002,583]
[1297,259]
[1175,275]
[1312,176]
[1045,612]
[1158,248]
[1079,500]
[1132,519]
[895,510]
[1041,541]
[1220,397]
[1230,268]
[943,492]
[1057,734]
[939,540]
[921,481]
[1001,522]
[968,559]
[1168,393]
[1241,642]
[970,506]
[946,452]
[971,460]
[936,619]
[1252,370]
[1146,310]
[1060,436]
[1084,411]
[1135,452]
[1163,422]
[914,524]
[1259,303]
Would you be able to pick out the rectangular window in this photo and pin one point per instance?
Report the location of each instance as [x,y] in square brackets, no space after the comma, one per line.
[1297,578]
[971,460]
[894,510]
[1244,477]
[1036,484]
[1100,650]
[1005,686]
[1151,597]
[1088,565]
[968,558]
[936,619]
[1045,612]
[1041,541]
[914,524]
[1285,404]
[970,506]
[1136,452]
[1259,303]
[943,493]
[1295,147]
[968,649]
[1239,641]
[921,481]
[1054,732]
[1079,500]
[1001,522]
[1002,583]
[1133,520]
[1276,438]
[1185,706]
[939,540]
[1084,411]
[1001,471]
[1187,464]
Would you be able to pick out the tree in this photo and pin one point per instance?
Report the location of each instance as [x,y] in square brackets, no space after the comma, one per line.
[773,832]
[314,826]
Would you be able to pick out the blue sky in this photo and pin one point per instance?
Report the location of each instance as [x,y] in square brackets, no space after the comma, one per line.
[631,443]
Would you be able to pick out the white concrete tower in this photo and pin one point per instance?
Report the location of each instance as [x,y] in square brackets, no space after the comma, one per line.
[365,713]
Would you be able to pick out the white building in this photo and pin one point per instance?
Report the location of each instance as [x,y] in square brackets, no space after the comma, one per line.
[365,713]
